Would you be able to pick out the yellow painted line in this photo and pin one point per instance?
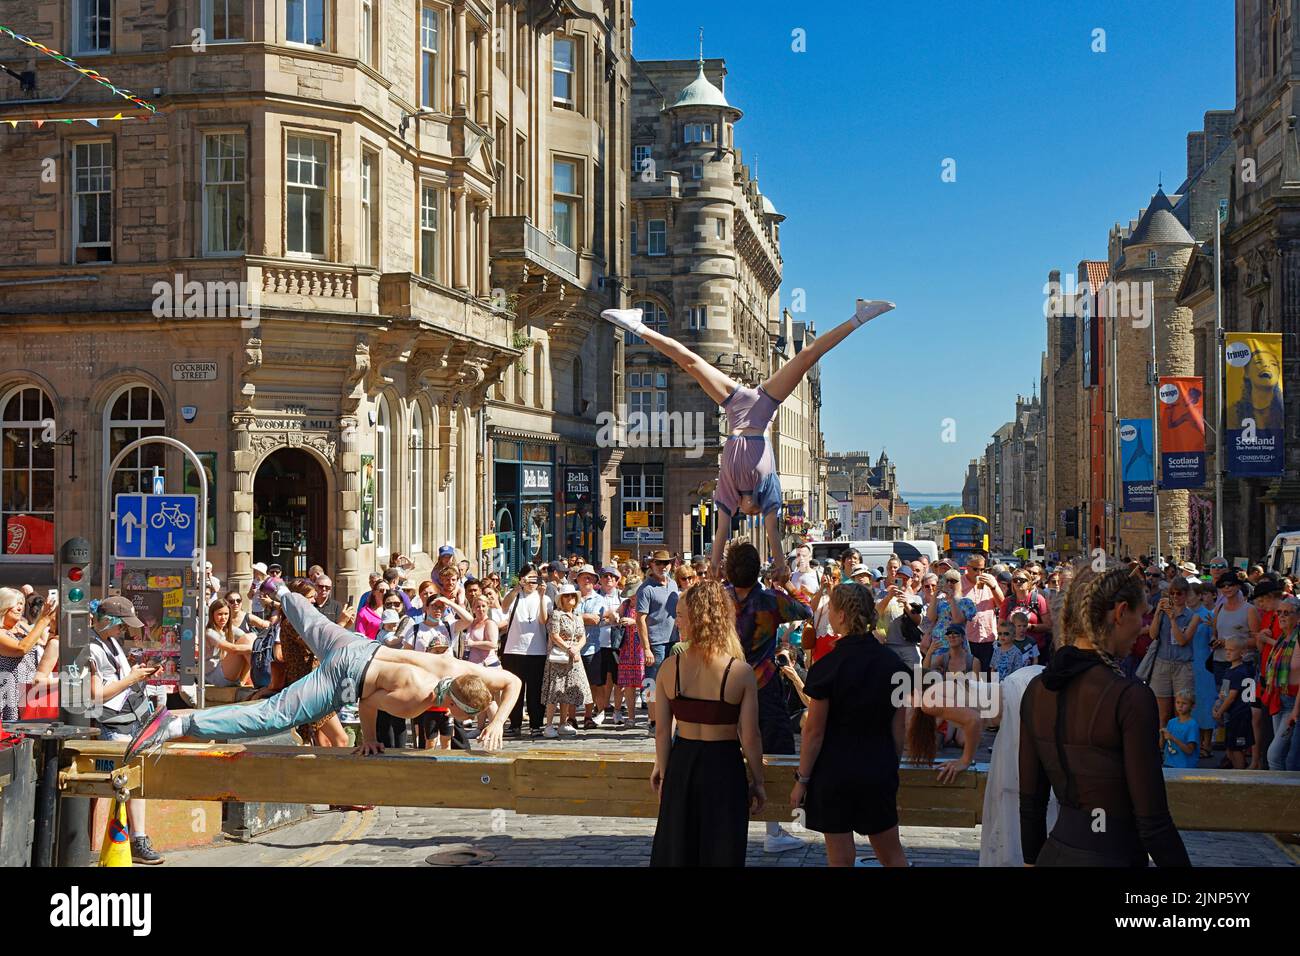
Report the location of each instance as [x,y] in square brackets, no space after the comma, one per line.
[361,829]
[343,832]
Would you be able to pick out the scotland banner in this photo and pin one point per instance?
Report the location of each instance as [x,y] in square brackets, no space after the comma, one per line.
[1253,393]
[1182,432]
[1137,464]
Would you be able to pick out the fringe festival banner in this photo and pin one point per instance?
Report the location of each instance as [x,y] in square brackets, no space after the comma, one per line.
[1182,432]
[1137,464]
[1253,399]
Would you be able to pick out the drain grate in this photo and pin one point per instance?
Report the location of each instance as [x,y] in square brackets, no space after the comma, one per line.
[459,856]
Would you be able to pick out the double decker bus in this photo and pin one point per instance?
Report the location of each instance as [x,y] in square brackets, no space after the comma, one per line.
[964,535]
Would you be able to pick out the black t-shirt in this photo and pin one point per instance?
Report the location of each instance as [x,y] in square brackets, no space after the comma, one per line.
[862,680]
[1237,678]
[331,609]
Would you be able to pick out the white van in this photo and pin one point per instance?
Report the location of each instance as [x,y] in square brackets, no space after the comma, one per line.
[876,553]
[1284,553]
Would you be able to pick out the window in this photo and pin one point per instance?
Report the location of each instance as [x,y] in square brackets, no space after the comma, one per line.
[93,25]
[429,33]
[722,229]
[225,212]
[697,171]
[657,240]
[367,50]
[223,20]
[698,133]
[568,202]
[647,402]
[697,317]
[1151,259]
[521,176]
[305,22]
[383,468]
[429,232]
[643,490]
[417,478]
[92,206]
[578,401]
[500,150]
[654,316]
[369,208]
[563,73]
[635,231]
[642,160]
[26,474]
[134,412]
[306,182]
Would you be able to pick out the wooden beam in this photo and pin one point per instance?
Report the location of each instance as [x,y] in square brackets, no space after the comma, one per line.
[587,783]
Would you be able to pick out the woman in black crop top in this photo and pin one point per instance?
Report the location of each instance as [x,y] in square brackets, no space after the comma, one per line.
[1089,733]
[699,775]
[847,780]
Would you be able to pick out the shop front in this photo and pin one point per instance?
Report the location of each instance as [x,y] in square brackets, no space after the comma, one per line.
[524,511]
[581,522]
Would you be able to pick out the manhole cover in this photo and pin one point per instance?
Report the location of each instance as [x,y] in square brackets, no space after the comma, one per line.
[459,856]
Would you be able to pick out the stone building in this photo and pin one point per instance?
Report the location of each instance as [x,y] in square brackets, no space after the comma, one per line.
[706,269]
[796,433]
[970,489]
[1147,262]
[1011,480]
[1062,390]
[1261,263]
[391,222]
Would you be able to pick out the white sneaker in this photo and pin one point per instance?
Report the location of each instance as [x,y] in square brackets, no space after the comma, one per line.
[780,842]
[550,733]
[567,730]
[598,719]
[627,319]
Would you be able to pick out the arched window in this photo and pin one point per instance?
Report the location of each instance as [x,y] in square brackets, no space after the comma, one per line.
[383,469]
[579,406]
[134,412]
[417,478]
[27,473]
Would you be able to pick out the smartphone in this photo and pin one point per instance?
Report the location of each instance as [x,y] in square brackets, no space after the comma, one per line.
[348,606]
[51,595]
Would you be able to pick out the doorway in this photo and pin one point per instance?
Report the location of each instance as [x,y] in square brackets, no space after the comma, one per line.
[290,522]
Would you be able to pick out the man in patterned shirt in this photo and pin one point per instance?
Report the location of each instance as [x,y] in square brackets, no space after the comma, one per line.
[759,612]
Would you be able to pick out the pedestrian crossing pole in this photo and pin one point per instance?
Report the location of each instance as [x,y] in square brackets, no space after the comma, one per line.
[1219,469]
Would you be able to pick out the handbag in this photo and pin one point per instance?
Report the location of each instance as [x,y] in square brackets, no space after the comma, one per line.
[1148,665]
[557,655]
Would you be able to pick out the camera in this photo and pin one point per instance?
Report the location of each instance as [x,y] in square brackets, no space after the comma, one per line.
[782,660]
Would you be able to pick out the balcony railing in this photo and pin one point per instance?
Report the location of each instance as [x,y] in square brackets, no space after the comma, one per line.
[550,251]
[514,237]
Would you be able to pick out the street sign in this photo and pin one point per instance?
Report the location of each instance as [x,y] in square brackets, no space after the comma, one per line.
[488,542]
[154,527]
[637,519]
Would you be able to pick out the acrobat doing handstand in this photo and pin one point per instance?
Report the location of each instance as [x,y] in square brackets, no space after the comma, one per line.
[747,478]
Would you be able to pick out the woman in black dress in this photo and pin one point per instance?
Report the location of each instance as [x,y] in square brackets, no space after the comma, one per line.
[699,776]
[1089,733]
[847,779]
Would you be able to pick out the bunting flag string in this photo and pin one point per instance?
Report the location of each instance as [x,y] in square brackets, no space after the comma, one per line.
[84,71]
[92,120]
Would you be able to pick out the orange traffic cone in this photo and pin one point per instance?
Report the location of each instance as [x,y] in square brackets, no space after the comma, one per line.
[116,849]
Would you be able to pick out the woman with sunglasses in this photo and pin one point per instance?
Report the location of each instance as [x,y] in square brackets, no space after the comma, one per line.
[370,617]
[1233,617]
[526,643]
[19,646]
[1024,597]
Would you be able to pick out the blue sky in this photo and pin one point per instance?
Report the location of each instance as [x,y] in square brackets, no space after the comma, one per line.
[1053,144]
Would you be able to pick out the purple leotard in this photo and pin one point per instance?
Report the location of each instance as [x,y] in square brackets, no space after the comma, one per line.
[748,466]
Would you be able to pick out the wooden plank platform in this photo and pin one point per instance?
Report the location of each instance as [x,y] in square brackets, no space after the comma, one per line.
[589,783]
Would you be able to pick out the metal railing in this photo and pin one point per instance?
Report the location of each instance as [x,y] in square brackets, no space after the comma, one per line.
[551,251]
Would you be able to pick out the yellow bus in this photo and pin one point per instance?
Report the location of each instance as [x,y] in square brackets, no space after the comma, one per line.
[964,535]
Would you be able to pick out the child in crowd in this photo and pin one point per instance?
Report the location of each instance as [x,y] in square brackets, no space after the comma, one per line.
[433,728]
[1025,642]
[1007,658]
[1179,737]
[1233,708]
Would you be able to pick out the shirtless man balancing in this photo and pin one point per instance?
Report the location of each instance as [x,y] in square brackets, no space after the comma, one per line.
[352,668]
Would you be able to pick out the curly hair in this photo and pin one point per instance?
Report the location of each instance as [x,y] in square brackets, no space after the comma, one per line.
[1092,596]
[741,564]
[712,616]
[858,606]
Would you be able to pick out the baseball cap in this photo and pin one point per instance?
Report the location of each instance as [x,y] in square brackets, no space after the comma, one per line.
[861,569]
[391,616]
[259,567]
[121,608]
[952,577]
[955,629]
[610,569]
[1265,588]
[1004,577]
[446,551]
[905,571]
[1227,577]
[915,601]
[944,560]
[274,569]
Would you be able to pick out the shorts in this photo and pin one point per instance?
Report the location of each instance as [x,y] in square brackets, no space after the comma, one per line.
[435,722]
[660,652]
[748,467]
[1171,678]
[1240,733]
[601,665]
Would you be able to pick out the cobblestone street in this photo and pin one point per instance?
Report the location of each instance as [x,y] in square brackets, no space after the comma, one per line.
[410,836]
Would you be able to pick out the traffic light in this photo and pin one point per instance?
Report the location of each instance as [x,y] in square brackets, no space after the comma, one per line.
[1029,539]
[74,587]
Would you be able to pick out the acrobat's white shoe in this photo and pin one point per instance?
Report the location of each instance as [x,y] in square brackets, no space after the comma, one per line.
[869,309]
[627,319]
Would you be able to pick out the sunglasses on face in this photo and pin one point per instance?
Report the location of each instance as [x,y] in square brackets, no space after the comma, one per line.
[1019,580]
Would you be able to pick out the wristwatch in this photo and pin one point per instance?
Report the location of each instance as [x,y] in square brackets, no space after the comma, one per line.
[804,780]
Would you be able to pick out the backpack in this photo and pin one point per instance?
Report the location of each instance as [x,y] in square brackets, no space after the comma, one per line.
[263,655]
